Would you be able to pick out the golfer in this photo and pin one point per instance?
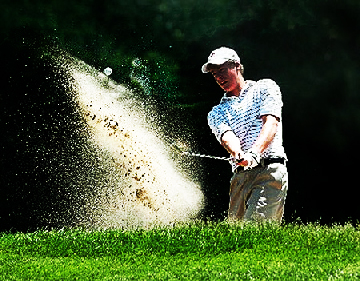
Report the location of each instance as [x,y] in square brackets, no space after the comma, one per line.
[248,124]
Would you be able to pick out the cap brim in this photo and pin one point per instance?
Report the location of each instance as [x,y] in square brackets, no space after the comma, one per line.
[214,61]
[204,68]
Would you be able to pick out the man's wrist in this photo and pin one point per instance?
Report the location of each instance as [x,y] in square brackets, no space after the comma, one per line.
[255,154]
[240,157]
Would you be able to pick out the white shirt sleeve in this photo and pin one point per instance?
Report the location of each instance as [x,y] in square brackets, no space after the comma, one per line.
[271,102]
[217,123]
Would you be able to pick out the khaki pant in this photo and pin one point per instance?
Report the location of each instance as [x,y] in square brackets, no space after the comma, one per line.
[259,194]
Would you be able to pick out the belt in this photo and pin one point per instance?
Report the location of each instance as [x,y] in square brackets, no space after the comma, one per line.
[263,163]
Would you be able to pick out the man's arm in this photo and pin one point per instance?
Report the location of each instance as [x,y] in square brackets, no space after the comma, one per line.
[268,131]
[232,144]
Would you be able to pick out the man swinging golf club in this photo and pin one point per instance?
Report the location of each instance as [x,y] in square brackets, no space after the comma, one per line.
[248,124]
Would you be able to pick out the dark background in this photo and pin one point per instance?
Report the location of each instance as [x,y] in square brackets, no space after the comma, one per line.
[310,48]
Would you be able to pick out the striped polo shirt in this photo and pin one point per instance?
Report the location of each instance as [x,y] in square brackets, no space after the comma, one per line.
[242,115]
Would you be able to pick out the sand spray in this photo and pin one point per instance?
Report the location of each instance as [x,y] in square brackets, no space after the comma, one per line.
[140,184]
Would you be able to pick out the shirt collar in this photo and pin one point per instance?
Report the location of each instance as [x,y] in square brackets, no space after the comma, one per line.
[248,84]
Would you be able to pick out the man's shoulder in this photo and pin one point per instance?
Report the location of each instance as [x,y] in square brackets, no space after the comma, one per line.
[219,108]
[266,87]
[264,83]
[216,108]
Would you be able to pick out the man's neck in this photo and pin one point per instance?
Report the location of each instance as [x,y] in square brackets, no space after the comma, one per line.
[236,92]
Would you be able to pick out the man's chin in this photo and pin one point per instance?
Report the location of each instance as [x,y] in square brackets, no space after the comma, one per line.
[226,89]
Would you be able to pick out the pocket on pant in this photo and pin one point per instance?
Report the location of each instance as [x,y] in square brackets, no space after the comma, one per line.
[236,181]
[279,173]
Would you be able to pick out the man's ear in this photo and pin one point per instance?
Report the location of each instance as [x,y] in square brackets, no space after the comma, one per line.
[238,67]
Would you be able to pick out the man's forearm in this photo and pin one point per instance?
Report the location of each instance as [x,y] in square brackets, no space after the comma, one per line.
[231,143]
[267,134]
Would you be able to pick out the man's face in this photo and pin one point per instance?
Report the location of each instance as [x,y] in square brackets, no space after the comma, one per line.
[228,77]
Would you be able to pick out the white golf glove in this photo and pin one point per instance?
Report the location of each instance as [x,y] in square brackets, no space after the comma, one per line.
[252,158]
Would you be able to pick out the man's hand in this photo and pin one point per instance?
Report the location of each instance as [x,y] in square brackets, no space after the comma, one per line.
[250,160]
[239,158]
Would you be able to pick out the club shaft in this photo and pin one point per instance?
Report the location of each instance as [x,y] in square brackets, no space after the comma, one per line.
[205,156]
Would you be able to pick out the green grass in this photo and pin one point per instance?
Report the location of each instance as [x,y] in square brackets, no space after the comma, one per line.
[196,251]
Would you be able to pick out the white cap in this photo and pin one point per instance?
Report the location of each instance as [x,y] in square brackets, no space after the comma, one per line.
[220,56]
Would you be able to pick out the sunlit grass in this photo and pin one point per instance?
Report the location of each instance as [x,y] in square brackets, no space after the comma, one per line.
[194,251]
